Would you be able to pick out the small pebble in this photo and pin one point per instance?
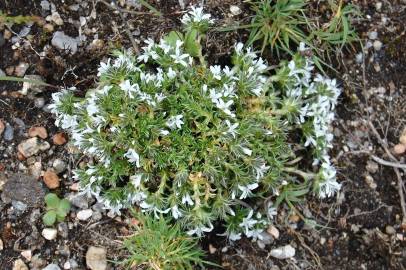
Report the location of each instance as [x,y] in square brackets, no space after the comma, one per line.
[96,258]
[212,249]
[235,10]
[39,102]
[399,149]
[272,230]
[377,45]
[8,133]
[84,214]
[59,138]
[19,265]
[284,252]
[59,165]
[2,127]
[51,179]
[373,35]
[390,230]
[38,132]
[49,233]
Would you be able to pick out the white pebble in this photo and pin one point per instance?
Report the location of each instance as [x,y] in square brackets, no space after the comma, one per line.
[49,233]
[84,214]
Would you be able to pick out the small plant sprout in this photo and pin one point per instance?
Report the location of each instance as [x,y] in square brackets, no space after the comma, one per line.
[199,143]
[56,209]
[159,245]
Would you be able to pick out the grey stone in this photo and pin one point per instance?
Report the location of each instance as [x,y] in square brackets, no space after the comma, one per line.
[64,42]
[79,200]
[19,206]
[45,5]
[23,188]
[96,258]
[32,147]
[52,266]
[39,102]
[63,230]
[373,35]
[8,133]
[2,72]
[59,165]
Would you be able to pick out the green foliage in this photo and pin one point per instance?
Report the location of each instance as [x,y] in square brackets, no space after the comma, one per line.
[56,209]
[159,245]
[20,19]
[281,24]
[176,136]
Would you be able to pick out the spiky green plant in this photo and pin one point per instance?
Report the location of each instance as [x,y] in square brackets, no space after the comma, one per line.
[176,136]
[160,245]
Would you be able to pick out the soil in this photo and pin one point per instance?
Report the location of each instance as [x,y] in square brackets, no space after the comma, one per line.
[359,229]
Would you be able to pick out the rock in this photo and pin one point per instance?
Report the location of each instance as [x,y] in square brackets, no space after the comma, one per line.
[19,206]
[59,138]
[27,254]
[7,34]
[63,230]
[273,231]
[390,230]
[45,5]
[235,10]
[399,149]
[373,35]
[377,45]
[24,188]
[2,72]
[284,252]
[372,167]
[84,214]
[56,18]
[8,133]
[48,28]
[20,70]
[64,42]
[1,245]
[49,233]
[96,258]
[52,266]
[59,165]
[39,102]
[51,179]
[370,181]
[38,132]
[32,147]
[2,127]
[34,87]
[36,262]
[212,249]
[79,200]
[19,265]
[35,169]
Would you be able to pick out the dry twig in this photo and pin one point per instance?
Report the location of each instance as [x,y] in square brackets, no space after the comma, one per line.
[396,161]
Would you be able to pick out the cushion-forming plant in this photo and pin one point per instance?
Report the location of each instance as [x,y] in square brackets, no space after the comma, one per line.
[177,137]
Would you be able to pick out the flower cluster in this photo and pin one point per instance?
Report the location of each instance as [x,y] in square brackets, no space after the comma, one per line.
[177,137]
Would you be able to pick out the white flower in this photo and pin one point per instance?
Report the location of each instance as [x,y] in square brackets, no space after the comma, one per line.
[104,68]
[196,15]
[271,211]
[176,213]
[136,180]
[129,88]
[247,222]
[329,186]
[199,230]
[246,190]
[187,199]
[216,71]
[231,128]
[224,106]
[178,57]
[69,122]
[133,157]
[234,236]
[163,132]
[238,48]
[261,170]
[175,122]
[246,151]
[171,73]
